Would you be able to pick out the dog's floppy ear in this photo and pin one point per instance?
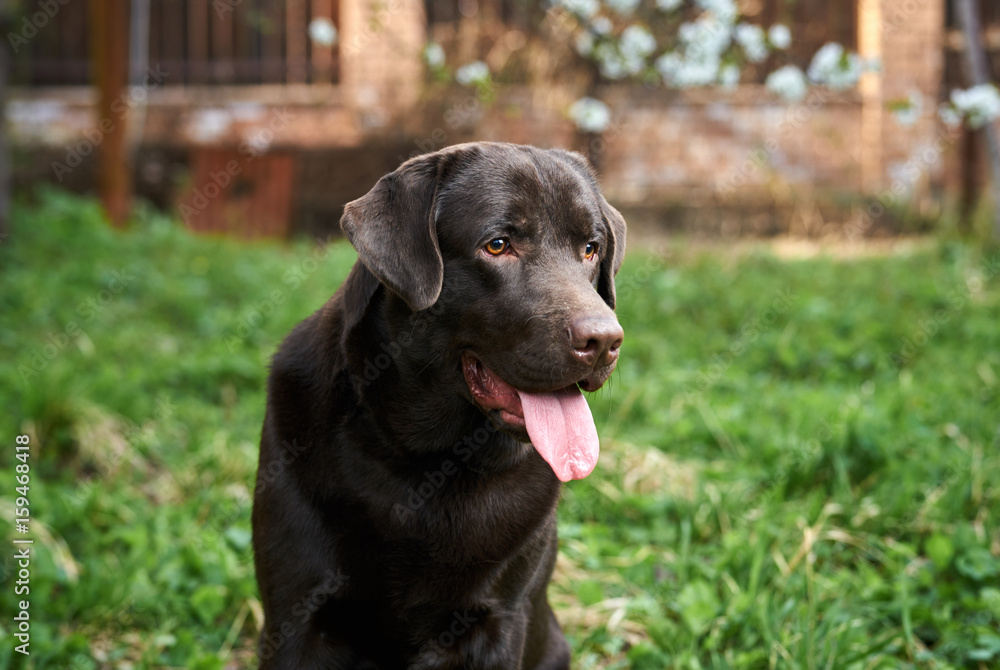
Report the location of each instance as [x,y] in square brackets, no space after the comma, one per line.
[394,231]
[614,254]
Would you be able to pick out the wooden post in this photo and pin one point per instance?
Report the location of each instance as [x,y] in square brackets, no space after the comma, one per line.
[5,173]
[272,67]
[977,73]
[870,30]
[223,56]
[322,54]
[296,41]
[109,33]
[199,19]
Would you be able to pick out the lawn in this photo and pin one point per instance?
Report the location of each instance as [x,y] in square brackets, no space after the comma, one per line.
[800,463]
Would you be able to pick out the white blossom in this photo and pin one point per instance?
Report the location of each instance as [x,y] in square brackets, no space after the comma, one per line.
[826,59]
[322,31]
[613,68]
[434,54]
[472,73]
[584,8]
[724,10]
[601,25]
[590,115]
[697,63]
[633,65]
[703,45]
[779,36]
[622,7]
[729,76]
[609,61]
[682,72]
[909,114]
[949,115]
[751,39]
[706,37]
[834,67]
[624,57]
[979,104]
[668,5]
[668,64]
[787,82]
[636,42]
[698,73]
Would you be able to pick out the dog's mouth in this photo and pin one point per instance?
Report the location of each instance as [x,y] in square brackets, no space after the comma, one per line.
[559,422]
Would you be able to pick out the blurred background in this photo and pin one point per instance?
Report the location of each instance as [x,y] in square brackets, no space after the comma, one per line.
[800,442]
[314,99]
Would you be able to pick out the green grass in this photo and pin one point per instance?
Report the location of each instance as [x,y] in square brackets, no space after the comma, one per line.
[784,482]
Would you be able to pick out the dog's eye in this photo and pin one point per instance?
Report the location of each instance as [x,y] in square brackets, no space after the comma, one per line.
[590,250]
[497,246]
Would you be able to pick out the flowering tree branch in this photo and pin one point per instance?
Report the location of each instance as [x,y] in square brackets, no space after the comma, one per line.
[683,44]
[694,44]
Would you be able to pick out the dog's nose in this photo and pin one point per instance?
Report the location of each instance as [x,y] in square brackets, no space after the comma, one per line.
[596,340]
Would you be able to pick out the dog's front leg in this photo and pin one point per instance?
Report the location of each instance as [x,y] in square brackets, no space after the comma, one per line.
[308,652]
[479,641]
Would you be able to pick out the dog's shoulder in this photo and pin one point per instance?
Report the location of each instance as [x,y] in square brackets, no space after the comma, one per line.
[310,375]
[312,347]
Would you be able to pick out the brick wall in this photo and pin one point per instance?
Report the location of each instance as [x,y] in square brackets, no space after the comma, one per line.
[381,63]
[728,146]
[911,35]
[663,146]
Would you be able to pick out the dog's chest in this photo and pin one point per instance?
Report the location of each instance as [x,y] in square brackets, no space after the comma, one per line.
[470,537]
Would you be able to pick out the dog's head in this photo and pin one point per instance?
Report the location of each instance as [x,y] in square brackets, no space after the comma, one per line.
[514,251]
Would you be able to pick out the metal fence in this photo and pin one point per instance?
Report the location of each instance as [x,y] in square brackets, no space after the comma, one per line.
[238,42]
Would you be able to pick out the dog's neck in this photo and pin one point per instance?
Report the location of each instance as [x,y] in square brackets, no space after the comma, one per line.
[393,361]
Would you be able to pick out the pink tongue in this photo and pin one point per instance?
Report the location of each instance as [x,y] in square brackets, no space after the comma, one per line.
[562,429]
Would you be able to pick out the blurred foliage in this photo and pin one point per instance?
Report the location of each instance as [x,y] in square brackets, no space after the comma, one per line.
[798,465]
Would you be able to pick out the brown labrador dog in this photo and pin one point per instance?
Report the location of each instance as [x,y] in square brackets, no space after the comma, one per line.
[418,425]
